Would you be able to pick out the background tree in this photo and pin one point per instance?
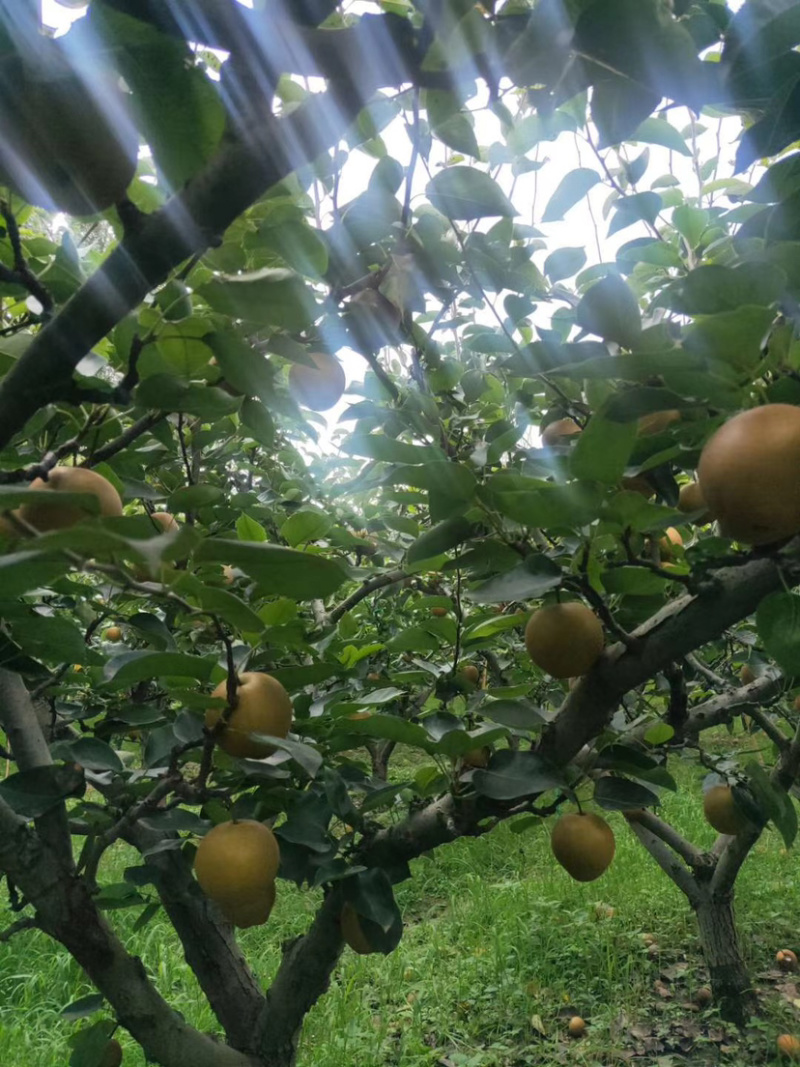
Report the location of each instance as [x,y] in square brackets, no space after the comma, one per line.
[174,532]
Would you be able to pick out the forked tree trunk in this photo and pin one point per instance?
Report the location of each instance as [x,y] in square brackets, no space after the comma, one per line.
[730,983]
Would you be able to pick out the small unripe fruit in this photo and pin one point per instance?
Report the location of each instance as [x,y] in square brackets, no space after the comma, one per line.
[576,1026]
[477,757]
[470,673]
[439,613]
[113,633]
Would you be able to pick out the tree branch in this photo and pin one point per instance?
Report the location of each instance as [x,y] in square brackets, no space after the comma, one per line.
[30,750]
[135,430]
[66,911]
[239,173]
[370,586]
[720,709]
[209,943]
[691,855]
[669,863]
[303,976]
[731,594]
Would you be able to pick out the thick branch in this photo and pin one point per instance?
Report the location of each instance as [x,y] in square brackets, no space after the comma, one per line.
[722,708]
[370,586]
[66,911]
[691,855]
[784,775]
[30,750]
[238,174]
[209,944]
[668,862]
[302,978]
[732,594]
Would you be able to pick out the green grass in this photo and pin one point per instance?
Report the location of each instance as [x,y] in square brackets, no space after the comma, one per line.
[500,948]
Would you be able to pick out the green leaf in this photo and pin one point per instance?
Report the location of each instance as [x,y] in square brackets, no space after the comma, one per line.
[20,572]
[370,894]
[449,123]
[192,497]
[248,529]
[610,310]
[602,450]
[774,802]
[388,450]
[535,576]
[691,224]
[177,107]
[618,108]
[778,624]
[244,366]
[269,297]
[222,603]
[440,539]
[467,193]
[130,667]
[659,131]
[516,774]
[305,756]
[278,571]
[620,794]
[413,639]
[258,421]
[564,263]
[641,207]
[306,525]
[51,638]
[633,581]
[165,393]
[387,728]
[572,188]
[517,714]
[82,1007]
[89,752]
[32,793]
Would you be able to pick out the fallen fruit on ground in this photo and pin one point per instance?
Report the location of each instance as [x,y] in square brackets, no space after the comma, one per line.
[576,1026]
[55,514]
[263,707]
[583,844]
[786,959]
[353,933]
[565,640]
[236,865]
[318,387]
[789,1046]
[721,812]
[703,997]
[558,432]
[113,633]
[748,474]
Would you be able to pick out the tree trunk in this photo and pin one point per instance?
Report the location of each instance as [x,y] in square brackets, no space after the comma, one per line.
[730,983]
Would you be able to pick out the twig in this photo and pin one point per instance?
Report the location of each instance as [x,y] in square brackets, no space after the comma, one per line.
[17,927]
[697,665]
[771,729]
[459,619]
[368,587]
[414,135]
[22,274]
[50,459]
[136,429]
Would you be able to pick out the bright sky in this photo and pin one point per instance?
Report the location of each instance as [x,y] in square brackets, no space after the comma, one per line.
[585,225]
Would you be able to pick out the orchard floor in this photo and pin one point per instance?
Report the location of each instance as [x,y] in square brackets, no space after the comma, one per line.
[500,949]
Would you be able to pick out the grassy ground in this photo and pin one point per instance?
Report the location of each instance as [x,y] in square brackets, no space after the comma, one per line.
[501,947]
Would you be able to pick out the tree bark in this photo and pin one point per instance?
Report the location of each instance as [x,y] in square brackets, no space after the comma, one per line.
[730,983]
